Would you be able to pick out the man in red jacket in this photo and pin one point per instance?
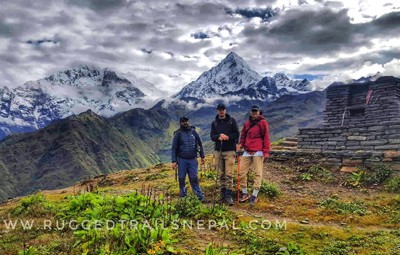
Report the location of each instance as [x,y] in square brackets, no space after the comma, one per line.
[255,140]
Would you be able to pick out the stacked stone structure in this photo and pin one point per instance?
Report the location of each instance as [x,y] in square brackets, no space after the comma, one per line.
[361,125]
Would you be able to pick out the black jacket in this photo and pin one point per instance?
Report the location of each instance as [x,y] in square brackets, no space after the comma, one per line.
[227,126]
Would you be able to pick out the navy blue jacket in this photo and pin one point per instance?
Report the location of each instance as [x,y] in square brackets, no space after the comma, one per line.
[185,144]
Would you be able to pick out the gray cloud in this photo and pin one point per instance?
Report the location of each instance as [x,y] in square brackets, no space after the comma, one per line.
[319,32]
[307,32]
[380,57]
[155,38]
[100,5]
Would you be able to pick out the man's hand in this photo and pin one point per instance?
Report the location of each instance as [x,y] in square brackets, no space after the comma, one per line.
[174,165]
[223,137]
[203,161]
[238,147]
[266,158]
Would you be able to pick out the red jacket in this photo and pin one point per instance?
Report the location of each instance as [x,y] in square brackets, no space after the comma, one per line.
[256,137]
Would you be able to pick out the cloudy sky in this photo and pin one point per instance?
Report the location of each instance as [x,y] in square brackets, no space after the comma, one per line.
[170,43]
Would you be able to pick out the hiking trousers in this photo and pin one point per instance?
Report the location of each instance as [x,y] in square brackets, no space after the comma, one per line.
[258,165]
[189,167]
[225,163]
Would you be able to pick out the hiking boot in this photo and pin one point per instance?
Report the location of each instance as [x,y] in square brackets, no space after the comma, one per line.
[228,198]
[243,197]
[229,201]
[253,200]
[223,196]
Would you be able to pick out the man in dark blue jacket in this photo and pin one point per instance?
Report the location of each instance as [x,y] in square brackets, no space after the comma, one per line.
[225,134]
[185,146]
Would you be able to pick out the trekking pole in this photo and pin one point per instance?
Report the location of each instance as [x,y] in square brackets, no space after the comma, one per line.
[217,168]
[238,185]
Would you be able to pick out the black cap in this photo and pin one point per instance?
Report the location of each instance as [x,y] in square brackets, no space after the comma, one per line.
[221,107]
[255,107]
[183,118]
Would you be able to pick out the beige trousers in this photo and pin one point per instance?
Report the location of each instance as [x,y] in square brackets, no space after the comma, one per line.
[225,162]
[245,165]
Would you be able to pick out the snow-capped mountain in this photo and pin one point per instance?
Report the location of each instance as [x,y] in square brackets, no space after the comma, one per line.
[233,77]
[230,75]
[284,82]
[37,103]
[365,79]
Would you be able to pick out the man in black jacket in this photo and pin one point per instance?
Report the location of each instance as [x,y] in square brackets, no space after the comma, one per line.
[225,134]
[185,146]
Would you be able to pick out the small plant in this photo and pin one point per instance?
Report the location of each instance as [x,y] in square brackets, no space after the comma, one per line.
[337,248]
[211,250]
[33,205]
[373,175]
[321,173]
[306,177]
[291,249]
[393,185]
[343,207]
[30,251]
[356,178]
[377,174]
[277,143]
[271,190]
[155,176]
[210,175]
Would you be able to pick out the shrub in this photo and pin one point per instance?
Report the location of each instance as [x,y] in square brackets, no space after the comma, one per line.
[35,205]
[321,173]
[155,176]
[343,207]
[271,190]
[393,185]
[291,249]
[377,174]
[337,248]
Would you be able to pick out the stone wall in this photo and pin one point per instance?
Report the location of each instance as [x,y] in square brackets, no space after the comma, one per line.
[346,104]
[356,132]
[346,161]
[368,137]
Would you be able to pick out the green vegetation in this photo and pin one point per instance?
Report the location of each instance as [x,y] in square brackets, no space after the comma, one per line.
[356,221]
[278,142]
[155,176]
[271,190]
[344,207]
[321,173]
[393,185]
[375,174]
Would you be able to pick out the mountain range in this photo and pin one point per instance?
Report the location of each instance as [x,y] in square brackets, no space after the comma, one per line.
[85,121]
[78,147]
[233,78]
[35,104]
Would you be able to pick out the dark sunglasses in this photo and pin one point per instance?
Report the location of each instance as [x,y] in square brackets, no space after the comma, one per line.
[183,121]
[254,110]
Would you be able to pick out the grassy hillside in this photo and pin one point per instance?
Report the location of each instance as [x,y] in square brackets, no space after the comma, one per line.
[305,209]
[79,147]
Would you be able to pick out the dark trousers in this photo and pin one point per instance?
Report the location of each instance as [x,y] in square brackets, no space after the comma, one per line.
[189,167]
